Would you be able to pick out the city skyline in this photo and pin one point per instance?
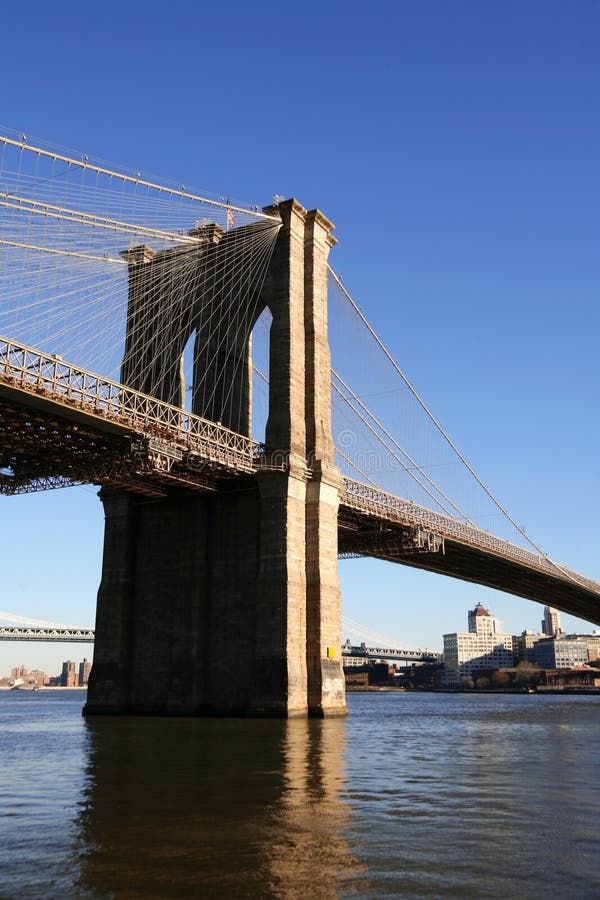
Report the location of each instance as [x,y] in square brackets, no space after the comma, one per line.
[32,651]
[72,674]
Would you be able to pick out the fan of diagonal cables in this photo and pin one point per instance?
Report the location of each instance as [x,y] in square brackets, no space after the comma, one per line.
[387,436]
[69,228]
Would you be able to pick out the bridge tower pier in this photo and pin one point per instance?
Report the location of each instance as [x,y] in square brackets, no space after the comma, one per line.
[228,603]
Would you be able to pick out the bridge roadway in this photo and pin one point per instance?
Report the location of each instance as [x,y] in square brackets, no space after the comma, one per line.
[388,654]
[62,425]
[35,633]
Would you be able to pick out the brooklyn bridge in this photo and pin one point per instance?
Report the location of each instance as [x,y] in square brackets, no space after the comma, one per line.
[204,365]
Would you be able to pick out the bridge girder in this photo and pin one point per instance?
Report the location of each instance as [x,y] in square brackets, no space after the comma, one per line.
[48,443]
[358,536]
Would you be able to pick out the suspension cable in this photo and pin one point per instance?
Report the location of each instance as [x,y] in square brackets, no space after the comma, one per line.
[426,409]
[442,430]
[390,437]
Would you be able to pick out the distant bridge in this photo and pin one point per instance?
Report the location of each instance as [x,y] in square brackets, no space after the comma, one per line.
[75,635]
[357,654]
[20,628]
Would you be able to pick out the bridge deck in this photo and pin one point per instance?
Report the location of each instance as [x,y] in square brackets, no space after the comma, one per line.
[71,635]
[64,425]
[373,523]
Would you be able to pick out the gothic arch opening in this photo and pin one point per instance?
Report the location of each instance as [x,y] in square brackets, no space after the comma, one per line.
[187,372]
[260,341]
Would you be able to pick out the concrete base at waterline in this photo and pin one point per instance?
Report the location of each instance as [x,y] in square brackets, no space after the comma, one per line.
[202,608]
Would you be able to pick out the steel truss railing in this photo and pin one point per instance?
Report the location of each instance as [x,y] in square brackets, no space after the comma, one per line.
[14,633]
[367,499]
[172,432]
[169,427]
[406,654]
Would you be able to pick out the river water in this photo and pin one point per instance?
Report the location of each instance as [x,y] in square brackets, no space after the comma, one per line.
[431,795]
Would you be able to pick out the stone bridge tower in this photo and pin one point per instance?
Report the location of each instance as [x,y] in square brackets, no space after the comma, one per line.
[228,603]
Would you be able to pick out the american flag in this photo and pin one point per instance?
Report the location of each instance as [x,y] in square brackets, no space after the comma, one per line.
[230,216]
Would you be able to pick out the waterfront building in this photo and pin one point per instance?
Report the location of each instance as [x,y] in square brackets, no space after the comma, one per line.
[593,645]
[561,653]
[20,675]
[581,677]
[484,646]
[592,642]
[18,672]
[36,676]
[523,645]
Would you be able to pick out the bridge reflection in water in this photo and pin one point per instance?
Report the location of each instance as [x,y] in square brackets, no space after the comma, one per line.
[214,807]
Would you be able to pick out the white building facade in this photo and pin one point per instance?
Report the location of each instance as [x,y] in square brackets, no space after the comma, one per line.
[484,646]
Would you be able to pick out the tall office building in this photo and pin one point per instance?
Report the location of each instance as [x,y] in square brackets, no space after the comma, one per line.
[69,676]
[551,622]
[484,646]
[85,667]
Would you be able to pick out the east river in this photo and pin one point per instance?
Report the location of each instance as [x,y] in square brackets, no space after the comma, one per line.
[432,795]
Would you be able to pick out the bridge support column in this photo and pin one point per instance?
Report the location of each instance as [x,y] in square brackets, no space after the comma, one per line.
[300,423]
[326,686]
[202,604]
[111,672]
[280,670]
[228,603]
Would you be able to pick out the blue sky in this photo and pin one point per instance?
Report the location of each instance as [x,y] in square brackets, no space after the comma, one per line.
[454,144]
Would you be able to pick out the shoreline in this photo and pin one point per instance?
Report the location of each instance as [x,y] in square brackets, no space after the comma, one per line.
[45,687]
[375,689]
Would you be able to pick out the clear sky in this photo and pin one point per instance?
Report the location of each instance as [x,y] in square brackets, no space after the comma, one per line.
[454,144]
